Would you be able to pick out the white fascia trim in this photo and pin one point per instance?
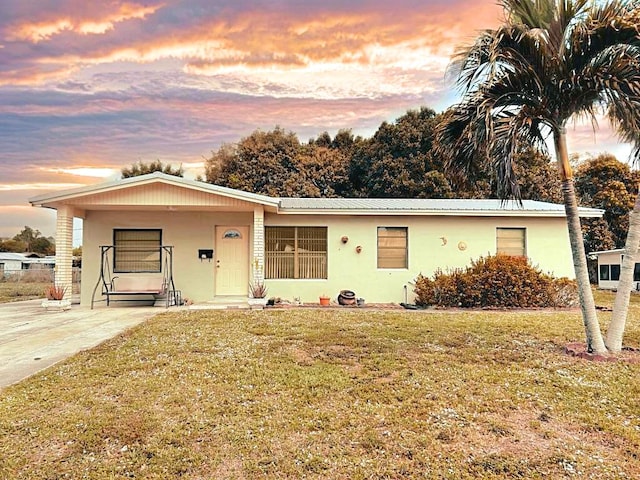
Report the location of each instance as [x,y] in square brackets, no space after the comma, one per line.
[591,213]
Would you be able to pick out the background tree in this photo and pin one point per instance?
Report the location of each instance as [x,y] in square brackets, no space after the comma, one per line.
[522,82]
[12,245]
[260,163]
[397,161]
[29,240]
[605,182]
[275,163]
[140,168]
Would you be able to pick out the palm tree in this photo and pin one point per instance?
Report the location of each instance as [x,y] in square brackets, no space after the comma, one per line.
[621,303]
[550,62]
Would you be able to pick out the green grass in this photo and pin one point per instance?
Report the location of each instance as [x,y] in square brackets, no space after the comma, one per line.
[19,291]
[334,394]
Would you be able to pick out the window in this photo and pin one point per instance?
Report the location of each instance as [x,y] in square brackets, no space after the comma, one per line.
[604,272]
[295,252]
[615,272]
[511,241]
[392,247]
[232,234]
[610,272]
[636,272]
[136,251]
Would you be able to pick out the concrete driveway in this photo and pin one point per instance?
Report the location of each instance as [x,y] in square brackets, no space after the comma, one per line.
[32,339]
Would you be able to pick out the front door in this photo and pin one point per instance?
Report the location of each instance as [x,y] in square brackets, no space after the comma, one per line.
[232,260]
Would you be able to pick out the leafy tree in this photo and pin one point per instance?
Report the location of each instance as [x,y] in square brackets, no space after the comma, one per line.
[605,182]
[43,245]
[12,245]
[537,177]
[275,163]
[29,240]
[140,168]
[259,163]
[396,160]
[27,236]
[548,62]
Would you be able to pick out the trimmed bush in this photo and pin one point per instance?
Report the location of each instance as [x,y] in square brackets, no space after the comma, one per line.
[499,281]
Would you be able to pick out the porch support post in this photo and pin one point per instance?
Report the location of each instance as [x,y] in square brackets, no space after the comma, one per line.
[258,244]
[64,248]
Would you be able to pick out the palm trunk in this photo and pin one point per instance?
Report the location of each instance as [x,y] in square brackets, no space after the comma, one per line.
[595,342]
[621,303]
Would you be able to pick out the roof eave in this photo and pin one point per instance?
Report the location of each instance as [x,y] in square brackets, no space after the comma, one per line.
[585,213]
[50,200]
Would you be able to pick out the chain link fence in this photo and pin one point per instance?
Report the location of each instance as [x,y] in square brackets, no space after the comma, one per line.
[37,275]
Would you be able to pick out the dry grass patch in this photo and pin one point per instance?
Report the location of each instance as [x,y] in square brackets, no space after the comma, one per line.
[330,394]
[19,291]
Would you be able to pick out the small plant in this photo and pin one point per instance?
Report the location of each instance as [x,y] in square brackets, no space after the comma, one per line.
[55,292]
[258,290]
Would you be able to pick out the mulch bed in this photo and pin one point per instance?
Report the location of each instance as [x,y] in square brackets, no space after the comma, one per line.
[627,355]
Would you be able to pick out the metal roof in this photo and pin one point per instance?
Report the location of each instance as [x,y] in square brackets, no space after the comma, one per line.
[333,206]
[413,206]
[18,257]
[616,250]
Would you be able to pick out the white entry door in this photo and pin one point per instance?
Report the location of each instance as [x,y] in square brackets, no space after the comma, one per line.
[232,260]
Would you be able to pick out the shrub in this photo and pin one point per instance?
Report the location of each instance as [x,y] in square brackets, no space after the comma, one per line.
[55,292]
[499,281]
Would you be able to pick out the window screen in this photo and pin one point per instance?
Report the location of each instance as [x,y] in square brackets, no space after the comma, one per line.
[511,241]
[137,250]
[392,247]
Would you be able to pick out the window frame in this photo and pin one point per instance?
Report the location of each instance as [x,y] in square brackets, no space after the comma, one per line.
[524,241]
[116,261]
[611,271]
[380,248]
[275,272]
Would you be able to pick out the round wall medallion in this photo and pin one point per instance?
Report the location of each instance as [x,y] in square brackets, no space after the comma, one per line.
[462,246]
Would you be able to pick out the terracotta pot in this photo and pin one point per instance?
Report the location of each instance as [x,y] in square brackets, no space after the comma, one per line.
[324,301]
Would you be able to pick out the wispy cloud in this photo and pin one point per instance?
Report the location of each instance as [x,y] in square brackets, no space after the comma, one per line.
[89,87]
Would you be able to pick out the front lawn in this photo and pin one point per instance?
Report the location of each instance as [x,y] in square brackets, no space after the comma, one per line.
[339,394]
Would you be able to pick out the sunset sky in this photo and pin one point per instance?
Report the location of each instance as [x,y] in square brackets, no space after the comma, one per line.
[89,87]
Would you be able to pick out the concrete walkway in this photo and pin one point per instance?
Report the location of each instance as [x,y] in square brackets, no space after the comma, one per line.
[32,339]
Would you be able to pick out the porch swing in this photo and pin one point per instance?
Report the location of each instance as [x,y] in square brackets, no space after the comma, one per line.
[136,284]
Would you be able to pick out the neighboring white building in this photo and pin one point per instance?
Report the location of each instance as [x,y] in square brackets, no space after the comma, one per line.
[12,262]
[15,262]
[219,239]
[609,262]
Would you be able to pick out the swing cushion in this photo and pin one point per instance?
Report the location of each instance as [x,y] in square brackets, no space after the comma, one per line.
[131,285]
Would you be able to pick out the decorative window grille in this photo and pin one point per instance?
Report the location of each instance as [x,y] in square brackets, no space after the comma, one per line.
[392,247]
[137,251]
[511,241]
[296,252]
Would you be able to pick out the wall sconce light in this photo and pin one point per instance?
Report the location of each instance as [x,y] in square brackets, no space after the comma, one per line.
[344,239]
[358,249]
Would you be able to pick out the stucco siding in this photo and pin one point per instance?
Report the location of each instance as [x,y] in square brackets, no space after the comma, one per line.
[187,232]
[433,243]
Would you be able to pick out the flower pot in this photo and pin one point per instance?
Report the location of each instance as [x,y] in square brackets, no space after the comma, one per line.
[257,302]
[59,304]
[324,301]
